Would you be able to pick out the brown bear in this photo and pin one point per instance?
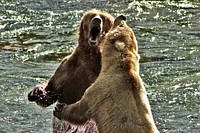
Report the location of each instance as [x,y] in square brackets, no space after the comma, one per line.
[117,100]
[79,70]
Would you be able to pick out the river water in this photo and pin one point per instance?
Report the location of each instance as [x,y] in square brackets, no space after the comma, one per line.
[36,34]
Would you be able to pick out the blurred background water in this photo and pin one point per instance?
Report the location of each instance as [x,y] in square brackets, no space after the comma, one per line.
[36,34]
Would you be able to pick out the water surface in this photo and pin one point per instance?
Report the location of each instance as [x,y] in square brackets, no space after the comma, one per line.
[36,35]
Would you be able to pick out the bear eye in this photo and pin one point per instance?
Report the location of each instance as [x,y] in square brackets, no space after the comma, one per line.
[121,25]
[92,16]
[102,17]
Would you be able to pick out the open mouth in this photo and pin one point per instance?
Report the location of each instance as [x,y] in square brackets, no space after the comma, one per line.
[95,31]
[94,35]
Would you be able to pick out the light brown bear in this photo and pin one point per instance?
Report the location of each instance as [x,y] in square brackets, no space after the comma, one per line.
[117,100]
[77,71]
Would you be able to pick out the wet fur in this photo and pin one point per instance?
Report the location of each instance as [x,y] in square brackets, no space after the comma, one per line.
[77,71]
[117,100]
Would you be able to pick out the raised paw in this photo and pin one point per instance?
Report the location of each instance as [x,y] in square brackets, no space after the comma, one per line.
[58,110]
[36,93]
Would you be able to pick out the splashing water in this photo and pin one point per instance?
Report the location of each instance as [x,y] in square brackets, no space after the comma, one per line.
[36,35]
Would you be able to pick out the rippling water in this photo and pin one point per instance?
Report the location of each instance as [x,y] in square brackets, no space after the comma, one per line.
[36,35]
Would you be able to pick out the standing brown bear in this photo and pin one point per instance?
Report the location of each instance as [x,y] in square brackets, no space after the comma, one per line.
[77,71]
[117,100]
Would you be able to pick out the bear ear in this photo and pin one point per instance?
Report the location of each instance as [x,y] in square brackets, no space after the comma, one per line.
[119,45]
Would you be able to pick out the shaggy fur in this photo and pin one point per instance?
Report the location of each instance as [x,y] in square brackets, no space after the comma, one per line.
[79,70]
[117,100]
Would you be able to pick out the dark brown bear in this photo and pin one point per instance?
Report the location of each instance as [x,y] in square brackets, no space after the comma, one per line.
[79,70]
[117,100]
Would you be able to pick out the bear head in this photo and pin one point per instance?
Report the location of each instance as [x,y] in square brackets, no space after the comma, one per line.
[121,45]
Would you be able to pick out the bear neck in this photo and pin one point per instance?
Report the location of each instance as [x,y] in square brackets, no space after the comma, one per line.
[84,46]
[120,62]
[89,55]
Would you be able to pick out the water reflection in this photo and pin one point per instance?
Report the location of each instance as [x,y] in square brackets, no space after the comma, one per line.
[36,35]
